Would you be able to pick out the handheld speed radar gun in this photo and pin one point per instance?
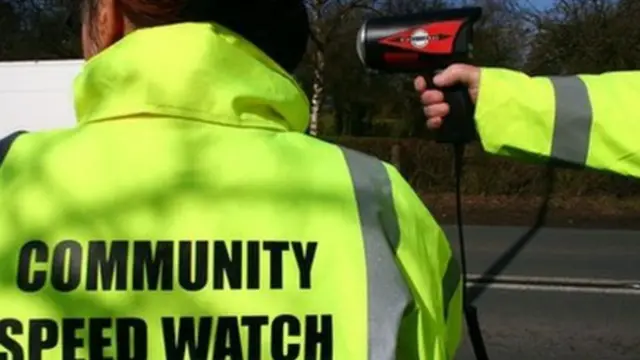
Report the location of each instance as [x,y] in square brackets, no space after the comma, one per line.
[424,44]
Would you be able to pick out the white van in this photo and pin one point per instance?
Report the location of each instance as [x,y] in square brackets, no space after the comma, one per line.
[37,95]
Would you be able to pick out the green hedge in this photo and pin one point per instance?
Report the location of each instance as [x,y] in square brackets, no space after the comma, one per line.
[429,168]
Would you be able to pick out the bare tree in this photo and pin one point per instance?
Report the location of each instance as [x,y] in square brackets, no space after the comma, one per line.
[586,36]
[318,62]
[41,30]
[327,17]
[502,34]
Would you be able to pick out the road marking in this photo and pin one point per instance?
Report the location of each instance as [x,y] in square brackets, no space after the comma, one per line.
[555,284]
[564,289]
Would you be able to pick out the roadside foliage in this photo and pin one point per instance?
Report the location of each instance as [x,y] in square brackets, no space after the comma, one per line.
[380,114]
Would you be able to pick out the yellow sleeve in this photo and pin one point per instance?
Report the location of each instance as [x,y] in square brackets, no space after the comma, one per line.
[432,331]
[583,120]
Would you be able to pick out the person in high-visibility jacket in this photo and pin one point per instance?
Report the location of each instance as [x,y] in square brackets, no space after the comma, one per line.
[582,120]
[187,215]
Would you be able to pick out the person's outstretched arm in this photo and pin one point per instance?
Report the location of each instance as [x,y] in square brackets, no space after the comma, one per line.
[585,120]
[432,329]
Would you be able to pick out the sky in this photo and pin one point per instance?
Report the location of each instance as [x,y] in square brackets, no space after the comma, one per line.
[542,3]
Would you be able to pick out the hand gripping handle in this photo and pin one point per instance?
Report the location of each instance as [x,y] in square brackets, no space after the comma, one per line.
[458,127]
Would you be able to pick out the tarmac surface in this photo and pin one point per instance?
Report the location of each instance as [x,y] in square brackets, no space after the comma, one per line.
[556,294]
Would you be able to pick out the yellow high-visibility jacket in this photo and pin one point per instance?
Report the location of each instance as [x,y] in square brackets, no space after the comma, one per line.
[583,120]
[187,215]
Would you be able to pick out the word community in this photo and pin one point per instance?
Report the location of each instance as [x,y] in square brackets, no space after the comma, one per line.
[149,266]
[182,338]
[197,265]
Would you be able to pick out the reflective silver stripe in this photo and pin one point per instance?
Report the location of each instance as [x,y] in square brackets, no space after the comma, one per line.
[573,119]
[450,282]
[387,293]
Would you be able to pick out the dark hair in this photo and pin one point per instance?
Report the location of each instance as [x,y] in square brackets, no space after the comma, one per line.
[280,28]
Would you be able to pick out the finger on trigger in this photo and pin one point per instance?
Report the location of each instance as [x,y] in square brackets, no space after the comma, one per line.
[419,84]
[431,97]
[437,110]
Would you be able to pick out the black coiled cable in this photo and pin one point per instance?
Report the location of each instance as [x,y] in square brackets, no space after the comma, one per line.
[470,311]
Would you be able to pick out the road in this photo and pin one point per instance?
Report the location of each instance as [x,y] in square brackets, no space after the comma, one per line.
[567,294]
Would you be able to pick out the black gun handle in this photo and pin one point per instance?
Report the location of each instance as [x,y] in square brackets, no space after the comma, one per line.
[458,127]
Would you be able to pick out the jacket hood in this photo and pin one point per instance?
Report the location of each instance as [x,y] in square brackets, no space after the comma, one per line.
[193,71]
